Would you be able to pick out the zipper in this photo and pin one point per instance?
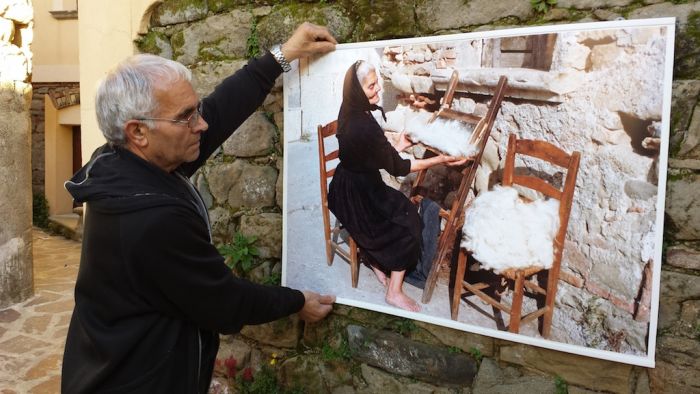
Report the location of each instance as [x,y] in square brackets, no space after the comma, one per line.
[199,359]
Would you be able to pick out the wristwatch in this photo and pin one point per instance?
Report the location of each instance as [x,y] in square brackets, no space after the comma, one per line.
[276,51]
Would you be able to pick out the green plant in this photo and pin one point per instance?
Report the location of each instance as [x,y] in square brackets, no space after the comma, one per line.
[40,210]
[476,353]
[275,278]
[252,43]
[403,326]
[542,6]
[240,254]
[329,352]
[263,382]
[560,385]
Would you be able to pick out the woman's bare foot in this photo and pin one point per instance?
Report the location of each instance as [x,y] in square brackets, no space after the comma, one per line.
[395,295]
[401,300]
[381,276]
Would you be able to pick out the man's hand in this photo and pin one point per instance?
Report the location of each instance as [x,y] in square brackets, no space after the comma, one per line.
[308,39]
[316,306]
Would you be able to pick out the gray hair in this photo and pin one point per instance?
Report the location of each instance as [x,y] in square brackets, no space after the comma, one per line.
[127,92]
[363,70]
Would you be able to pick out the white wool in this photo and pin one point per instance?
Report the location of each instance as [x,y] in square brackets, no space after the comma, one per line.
[504,232]
[445,135]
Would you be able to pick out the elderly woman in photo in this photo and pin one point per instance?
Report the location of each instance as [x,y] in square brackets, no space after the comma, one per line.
[382,221]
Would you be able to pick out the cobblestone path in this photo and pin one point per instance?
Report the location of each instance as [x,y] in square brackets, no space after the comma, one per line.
[33,333]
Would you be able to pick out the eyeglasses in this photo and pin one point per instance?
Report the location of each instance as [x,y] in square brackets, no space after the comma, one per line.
[191,121]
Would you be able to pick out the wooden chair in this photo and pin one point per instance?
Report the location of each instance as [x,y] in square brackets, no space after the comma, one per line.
[455,215]
[522,278]
[334,243]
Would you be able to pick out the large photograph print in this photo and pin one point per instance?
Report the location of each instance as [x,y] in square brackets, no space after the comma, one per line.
[508,183]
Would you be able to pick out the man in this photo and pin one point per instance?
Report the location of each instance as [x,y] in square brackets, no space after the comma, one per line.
[152,292]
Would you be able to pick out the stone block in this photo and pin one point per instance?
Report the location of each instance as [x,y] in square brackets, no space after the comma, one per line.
[267,227]
[491,379]
[667,9]
[20,11]
[684,97]
[588,4]
[205,76]
[640,190]
[221,177]
[384,19]
[7,31]
[22,344]
[605,15]
[283,333]
[9,315]
[422,84]
[690,145]
[281,22]
[220,220]
[255,188]
[447,14]
[15,64]
[279,186]
[677,366]
[592,373]
[218,37]
[681,256]
[605,56]
[679,285]
[47,365]
[179,11]
[253,138]
[404,357]
[466,342]
[315,374]
[235,348]
[683,205]
[379,381]
[155,42]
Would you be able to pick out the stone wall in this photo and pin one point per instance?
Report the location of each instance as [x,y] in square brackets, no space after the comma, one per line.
[242,187]
[15,167]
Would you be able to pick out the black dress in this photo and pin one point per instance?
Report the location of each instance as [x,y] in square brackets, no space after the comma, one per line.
[382,221]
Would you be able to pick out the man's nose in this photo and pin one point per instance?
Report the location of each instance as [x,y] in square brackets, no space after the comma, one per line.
[202,125]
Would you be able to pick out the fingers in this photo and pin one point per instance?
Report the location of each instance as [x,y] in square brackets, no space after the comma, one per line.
[319,33]
[326,299]
[316,306]
[308,39]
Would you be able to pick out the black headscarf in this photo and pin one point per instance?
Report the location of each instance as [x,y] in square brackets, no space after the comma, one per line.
[354,98]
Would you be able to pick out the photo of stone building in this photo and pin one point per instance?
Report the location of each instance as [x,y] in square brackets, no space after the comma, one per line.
[602,92]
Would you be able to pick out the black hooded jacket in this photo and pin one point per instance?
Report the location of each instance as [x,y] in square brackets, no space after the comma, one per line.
[152,292]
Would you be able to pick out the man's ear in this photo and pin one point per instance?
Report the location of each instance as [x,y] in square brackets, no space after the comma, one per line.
[135,133]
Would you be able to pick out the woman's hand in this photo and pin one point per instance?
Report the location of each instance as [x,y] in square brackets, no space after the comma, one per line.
[403,142]
[308,39]
[451,161]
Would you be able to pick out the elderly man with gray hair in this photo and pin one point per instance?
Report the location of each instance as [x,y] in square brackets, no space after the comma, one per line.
[153,293]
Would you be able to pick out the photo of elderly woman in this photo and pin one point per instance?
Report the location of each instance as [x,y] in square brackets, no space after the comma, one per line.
[383,222]
[398,156]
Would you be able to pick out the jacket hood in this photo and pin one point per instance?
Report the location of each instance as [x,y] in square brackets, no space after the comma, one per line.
[117,181]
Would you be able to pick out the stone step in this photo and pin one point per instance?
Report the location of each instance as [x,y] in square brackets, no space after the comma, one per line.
[68,225]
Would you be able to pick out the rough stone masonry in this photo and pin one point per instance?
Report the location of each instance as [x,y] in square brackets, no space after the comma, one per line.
[15,152]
